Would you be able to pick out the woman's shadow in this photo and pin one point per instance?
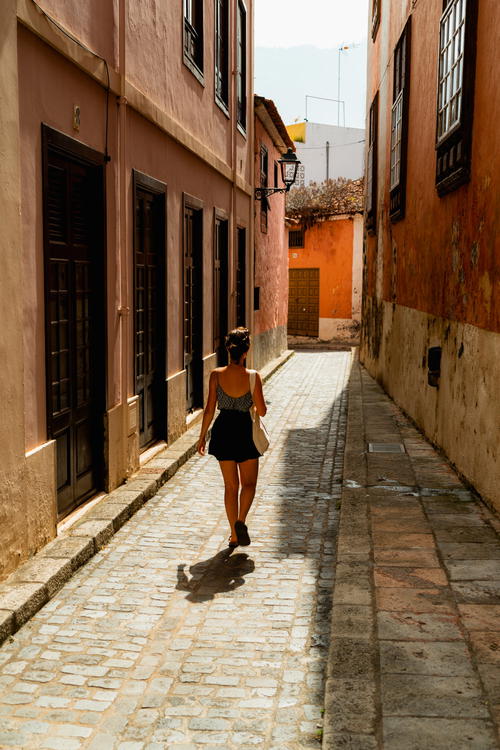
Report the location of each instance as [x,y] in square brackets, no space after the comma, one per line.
[221,573]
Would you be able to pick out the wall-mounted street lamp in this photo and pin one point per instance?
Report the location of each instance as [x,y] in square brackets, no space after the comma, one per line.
[289,165]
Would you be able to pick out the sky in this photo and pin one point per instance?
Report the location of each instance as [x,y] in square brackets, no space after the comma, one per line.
[296,54]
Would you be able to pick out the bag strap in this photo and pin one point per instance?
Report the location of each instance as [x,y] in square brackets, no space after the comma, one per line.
[252,381]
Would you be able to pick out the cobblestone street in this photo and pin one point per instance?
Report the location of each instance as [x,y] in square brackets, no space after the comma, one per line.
[166,640]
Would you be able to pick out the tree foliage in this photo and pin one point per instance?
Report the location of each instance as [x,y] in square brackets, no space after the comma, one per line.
[319,200]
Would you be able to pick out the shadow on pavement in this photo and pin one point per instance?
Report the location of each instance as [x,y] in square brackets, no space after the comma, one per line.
[220,573]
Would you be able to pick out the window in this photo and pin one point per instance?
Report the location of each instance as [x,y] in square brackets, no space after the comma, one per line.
[399,123]
[193,36]
[241,51]
[256,298]
[222,52]
[457,50]
[296,238]
[371,167]
[375,17]
[264,174]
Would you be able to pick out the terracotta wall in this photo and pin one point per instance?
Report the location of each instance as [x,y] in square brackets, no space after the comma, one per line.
[333,246]
[442,260]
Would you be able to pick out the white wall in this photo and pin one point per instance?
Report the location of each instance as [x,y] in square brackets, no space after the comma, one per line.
[345,153]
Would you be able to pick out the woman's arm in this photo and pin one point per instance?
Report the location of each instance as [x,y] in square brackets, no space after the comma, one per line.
[258,396]
[209,412]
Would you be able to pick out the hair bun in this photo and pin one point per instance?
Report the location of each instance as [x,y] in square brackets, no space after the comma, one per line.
[237,342]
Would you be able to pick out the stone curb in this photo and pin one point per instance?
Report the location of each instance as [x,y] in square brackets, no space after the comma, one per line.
[37,580]
[351,686]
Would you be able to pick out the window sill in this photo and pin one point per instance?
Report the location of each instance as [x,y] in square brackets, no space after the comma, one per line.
[198,74]
[242,130]
[453,181]
[222,106]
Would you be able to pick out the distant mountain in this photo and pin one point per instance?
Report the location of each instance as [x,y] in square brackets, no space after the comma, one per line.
[286,75]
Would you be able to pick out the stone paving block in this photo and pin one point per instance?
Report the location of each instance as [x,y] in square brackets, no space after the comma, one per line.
[476,592]
[350,657]
[43,570]
[470,570]
[417,657]
[480,616]
[406,558]
[486,646]
[100,531]
[350,705]
[351,621]
[6,623]
[412,733]
[333,740]
[23,600]
[77,550]
[396,577]
[470,551]
[414,600]
[425,695]
[423,626]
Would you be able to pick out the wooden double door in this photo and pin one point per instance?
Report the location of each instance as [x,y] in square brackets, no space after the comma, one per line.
[74,252]
[303,302]
[149,307]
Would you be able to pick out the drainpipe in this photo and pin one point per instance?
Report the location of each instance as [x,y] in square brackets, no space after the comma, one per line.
[328,160]
[122,258]
[251,157]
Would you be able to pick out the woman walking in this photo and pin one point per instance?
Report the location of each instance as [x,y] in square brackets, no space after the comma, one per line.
[231,442]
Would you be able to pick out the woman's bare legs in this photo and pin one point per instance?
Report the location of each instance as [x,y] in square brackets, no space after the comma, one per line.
[231,486]
[248,477]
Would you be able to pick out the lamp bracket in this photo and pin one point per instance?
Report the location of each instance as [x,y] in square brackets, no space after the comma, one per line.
[264,192]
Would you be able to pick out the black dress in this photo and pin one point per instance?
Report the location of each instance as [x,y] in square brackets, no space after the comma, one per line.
[231,438]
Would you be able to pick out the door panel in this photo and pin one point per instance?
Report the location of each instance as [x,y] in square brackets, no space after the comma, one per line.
[241,277]
[221,291]
[73,207]
[193,307]
[150,339]
[303,302]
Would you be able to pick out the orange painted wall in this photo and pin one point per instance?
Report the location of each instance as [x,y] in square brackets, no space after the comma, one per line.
[442,259]
[329,247]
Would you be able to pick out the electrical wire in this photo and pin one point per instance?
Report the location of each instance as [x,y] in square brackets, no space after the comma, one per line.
[330,145]
[55,23]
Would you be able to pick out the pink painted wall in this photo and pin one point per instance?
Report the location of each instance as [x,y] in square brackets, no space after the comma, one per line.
[41,101]
[271,260]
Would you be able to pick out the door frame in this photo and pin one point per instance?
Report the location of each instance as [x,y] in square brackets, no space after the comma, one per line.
[190,201]
[63,145]
[221,215]
[152,185]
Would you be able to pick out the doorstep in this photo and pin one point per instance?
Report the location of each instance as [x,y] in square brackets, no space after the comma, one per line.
[37,580]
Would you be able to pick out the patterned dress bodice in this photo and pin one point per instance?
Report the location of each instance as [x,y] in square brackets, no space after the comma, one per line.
[225,401]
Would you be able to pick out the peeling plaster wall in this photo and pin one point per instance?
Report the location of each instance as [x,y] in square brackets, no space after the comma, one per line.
[433,278]
[461,416]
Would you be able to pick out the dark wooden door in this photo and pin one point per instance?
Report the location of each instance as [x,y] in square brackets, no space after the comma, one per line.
[193,307]
[303,302]
[241,277]
[149,275]
[74,286]
[221,291]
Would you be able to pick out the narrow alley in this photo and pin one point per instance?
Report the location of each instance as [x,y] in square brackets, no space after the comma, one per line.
[164,639]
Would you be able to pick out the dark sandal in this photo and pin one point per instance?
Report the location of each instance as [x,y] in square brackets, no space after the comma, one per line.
[232,545]
[242,533]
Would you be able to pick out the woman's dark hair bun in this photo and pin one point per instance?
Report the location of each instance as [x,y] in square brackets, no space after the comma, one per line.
[237,343]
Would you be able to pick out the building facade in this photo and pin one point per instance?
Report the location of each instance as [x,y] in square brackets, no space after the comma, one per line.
[127,196]
[431,320]
[270,293]
[325,260]
[327,152]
